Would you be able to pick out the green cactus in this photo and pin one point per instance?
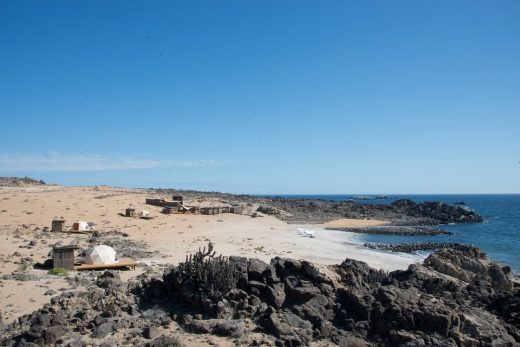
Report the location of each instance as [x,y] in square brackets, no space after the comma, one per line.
[211,276]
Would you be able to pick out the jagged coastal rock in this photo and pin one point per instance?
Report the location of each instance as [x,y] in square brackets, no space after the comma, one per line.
[411,247]
[457,297]
[396,230]
[401,212]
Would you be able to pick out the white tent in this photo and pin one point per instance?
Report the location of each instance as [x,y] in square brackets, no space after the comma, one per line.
[144,213]
[100,255]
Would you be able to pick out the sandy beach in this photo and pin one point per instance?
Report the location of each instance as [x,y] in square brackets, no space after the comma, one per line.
[25,211]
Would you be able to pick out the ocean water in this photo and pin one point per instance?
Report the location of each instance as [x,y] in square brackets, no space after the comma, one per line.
[498,235]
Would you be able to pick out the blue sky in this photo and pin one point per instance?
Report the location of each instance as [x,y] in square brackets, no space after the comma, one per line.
[263,96]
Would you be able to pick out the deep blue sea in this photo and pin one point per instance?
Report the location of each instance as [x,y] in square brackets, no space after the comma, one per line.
[498,236]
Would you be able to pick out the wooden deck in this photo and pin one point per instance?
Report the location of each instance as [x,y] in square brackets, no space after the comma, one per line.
[123,262]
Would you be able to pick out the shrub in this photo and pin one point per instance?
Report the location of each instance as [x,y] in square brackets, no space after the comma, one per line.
[24,266]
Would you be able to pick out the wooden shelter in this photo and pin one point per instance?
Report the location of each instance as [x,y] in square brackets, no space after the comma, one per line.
[237,209]
[178,198]
[57,225]
[156,202]
[130,212]
[63,257]
[162,202]
[210,210]
[170,209]
[188,209]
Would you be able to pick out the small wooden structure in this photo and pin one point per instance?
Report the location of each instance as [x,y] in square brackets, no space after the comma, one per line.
[123,262]
[81,227]
[170,209]
[130,212]
[57,225]
[63,257]
[188,209]
[156,202]
[210,210]
[178,198]
[237,209]
[162,202]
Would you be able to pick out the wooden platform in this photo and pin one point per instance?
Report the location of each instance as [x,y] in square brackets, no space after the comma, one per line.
[123,262]
[83,232]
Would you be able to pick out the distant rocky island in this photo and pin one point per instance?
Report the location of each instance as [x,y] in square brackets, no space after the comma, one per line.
[370,197]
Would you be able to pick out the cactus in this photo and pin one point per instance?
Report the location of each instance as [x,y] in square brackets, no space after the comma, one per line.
[209,276]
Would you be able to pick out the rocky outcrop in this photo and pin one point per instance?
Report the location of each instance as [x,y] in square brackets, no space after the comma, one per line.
[298,302]
[405,230]
[470,264]
[401,212]
[20,182]
[458,297]
[411,247]
[439,212]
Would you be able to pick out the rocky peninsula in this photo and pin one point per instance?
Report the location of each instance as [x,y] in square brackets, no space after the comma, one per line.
[404,217]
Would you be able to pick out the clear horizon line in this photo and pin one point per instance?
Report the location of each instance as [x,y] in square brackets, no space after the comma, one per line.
[280,194]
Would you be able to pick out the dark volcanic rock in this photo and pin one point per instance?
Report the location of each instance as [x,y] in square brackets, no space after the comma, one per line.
[165,341]
[400,212]
[276,294]
[396,230]
[411,247]
[109,279]
[458,297]
[468,263]
[288,327]
[233,328]
[104,329]
[441,212]
[53,334]
[257,270]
